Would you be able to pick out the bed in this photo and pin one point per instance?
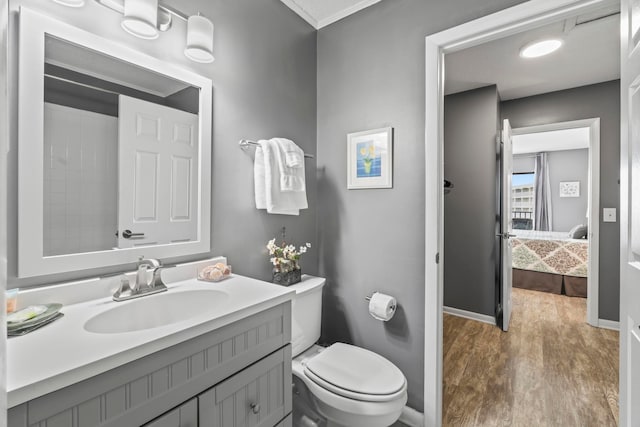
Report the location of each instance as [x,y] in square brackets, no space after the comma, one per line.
[550,261]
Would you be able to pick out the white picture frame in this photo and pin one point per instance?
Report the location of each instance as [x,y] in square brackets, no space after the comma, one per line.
[570,189]
[370,159]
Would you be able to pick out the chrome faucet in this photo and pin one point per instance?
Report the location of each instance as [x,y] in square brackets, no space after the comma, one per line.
[143,284]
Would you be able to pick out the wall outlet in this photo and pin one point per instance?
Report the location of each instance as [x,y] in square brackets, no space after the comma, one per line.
[609,214]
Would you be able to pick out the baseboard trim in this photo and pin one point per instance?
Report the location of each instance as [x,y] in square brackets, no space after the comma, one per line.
[469,315]
[609,324]
[411,417]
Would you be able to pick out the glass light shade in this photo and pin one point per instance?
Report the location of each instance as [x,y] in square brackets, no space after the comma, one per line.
[141,18]
[70,3]
[540,48]
[199,39]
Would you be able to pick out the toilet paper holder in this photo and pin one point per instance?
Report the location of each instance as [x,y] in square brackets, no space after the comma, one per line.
[368,298]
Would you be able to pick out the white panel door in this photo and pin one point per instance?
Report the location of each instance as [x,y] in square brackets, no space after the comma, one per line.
[158,172]
[630,215]
[507,223]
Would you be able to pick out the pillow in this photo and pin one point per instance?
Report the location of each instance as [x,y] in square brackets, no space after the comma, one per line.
[578,232]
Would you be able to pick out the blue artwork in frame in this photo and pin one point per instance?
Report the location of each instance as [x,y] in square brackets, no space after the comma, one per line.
[369,159]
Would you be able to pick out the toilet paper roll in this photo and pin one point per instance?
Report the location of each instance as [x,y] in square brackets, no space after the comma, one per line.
[382,306]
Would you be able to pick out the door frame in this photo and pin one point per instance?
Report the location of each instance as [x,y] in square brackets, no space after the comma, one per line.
[522,17]
[593,265]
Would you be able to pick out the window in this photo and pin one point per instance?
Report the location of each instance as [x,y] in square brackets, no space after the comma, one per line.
[522,208]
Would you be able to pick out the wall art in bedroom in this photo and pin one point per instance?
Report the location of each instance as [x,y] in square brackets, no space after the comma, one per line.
[370,159]
[570,189]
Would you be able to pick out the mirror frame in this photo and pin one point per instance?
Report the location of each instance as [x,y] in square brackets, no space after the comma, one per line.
[31,56]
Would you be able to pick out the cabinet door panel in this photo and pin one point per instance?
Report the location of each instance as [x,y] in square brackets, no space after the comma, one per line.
[185,415]
[254,397]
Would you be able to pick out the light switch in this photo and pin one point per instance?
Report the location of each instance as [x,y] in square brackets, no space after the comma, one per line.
[609,214]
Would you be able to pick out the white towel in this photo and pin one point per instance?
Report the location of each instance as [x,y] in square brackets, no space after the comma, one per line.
[259,178]
[294,156]
[291,177]
[268,193]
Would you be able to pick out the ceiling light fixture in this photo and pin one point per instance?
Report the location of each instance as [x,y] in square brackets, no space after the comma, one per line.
[141,18]
[199,39]
[540,48]
[70,3]
[145,18]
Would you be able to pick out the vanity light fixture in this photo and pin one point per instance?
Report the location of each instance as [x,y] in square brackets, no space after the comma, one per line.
[145,18]
[70,3]
[141,18]
[199,39]
[540,48]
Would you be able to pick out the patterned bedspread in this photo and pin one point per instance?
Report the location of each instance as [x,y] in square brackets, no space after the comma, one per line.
[568,257]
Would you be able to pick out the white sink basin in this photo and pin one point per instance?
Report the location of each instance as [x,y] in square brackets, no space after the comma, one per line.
[154,311]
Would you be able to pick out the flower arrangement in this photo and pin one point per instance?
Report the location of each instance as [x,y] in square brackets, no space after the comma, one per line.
[368,154]
[285,257]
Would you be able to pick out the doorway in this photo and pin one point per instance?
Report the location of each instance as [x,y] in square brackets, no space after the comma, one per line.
[577,135]
[519,18]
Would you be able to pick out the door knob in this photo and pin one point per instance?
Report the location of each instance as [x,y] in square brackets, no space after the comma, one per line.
[127,234]
[255,408]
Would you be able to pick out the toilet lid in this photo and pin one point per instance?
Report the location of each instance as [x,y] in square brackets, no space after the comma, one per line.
[353,371]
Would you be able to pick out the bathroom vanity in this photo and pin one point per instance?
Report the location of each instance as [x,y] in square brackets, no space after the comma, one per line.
[230,366]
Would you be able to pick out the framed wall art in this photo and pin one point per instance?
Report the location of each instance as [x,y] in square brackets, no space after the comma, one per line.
[570,189]
[370,159]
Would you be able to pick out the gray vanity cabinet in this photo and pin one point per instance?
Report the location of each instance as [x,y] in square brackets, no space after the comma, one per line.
[237,375]
[185,415]
[259,396]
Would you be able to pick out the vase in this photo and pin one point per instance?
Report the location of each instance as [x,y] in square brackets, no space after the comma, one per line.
[287,278]
[367,167]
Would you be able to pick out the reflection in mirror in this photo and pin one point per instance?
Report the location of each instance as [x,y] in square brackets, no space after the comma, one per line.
[120,154]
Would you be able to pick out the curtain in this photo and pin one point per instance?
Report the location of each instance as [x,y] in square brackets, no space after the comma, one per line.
[543,194]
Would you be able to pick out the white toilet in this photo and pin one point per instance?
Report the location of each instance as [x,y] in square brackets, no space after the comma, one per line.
[348,385]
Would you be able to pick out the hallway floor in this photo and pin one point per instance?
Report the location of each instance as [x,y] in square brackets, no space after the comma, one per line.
[550,369]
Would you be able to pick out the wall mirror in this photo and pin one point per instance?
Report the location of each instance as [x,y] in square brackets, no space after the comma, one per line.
[114,152]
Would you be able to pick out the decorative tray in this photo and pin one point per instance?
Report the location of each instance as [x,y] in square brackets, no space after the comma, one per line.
[32,316]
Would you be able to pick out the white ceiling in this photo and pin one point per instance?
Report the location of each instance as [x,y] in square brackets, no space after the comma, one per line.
[320,13]
[557,140]
[590,54]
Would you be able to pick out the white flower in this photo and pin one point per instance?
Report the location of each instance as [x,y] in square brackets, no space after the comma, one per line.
[308,244]
[303,249]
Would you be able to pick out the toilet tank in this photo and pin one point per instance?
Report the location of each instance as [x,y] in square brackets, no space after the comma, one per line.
[306,311]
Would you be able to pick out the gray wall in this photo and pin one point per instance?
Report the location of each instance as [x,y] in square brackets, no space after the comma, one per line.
[599,100]
[569,165]
[264,85]
[371,73]
[470,245]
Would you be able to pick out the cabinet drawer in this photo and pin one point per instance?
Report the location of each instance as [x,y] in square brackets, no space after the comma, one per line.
[185,415]
[259,396]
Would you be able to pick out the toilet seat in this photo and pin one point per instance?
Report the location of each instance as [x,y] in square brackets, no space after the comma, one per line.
[334,403]
[356,373]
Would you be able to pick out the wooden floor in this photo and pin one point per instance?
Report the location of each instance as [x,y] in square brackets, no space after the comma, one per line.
[550,369]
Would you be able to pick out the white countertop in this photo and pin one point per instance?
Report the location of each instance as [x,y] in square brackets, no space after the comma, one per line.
[63,352]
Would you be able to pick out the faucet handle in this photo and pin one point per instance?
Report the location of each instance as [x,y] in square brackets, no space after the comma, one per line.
[124,289]
[151,262]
